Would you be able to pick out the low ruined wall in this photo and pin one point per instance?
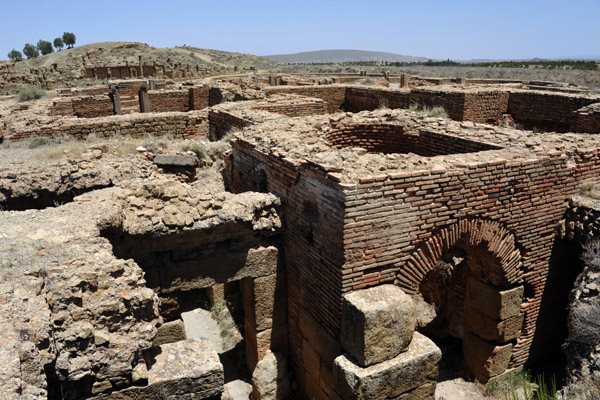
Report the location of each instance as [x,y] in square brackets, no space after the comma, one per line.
[298,108]
[62,106]
[370,98]
[333,95]
[452,101]
[92,106]
[190,124]
[586,119]
[169,100]
[222,122]
[546,111]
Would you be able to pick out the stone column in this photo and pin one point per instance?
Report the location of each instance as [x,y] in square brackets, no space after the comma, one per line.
[144,100]
[116,98]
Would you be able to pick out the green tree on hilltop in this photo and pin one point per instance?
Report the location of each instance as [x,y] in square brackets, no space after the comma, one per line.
[68,39]
[44,47]
[30,51]
[59,44]
[15,55]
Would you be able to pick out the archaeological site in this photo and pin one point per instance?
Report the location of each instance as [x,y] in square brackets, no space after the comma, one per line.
[171,232]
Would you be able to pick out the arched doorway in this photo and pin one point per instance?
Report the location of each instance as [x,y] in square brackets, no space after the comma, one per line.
[470,275]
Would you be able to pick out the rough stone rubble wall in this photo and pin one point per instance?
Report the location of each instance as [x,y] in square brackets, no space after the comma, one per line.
[360,99]
[190,124]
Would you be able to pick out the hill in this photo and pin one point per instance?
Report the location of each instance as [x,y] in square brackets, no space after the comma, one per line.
[117,53]
[327,56]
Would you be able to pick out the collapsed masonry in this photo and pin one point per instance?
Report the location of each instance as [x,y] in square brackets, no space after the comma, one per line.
[327,208]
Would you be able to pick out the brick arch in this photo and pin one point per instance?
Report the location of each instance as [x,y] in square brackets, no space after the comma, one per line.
[502,266]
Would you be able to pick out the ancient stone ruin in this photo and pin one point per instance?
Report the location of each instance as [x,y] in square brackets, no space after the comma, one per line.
[362,237]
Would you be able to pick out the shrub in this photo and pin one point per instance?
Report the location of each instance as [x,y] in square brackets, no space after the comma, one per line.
[197,148]
[38,142]
[31,93]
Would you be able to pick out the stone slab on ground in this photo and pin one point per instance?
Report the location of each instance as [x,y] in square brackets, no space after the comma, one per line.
[175,160]
[186,369]
[377,323]
[412,369]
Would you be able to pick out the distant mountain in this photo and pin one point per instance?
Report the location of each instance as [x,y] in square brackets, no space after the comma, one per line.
[326,56]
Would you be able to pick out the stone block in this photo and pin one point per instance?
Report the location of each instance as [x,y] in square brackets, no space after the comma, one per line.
[485,359]
[377,323]
[258,343]
[496,303]
[414,368]
[175,160]
[490,329]
[425,392]
[265,301]
[269,379]
[185,369]
[216,294]
[170,332]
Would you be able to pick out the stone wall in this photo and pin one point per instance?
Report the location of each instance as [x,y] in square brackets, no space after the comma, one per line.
[333,95]
[293,106]
[586,119]
[190,124]
[485,106]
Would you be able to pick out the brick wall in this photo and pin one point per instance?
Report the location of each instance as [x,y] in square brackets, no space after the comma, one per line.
[92,106]
[298,108]
[485,106]
[390,138]
[385,220]
[199,97]
[360,99]
[586,119]
[62,106]
[190,124]
[545,111]
[313,211]
[169,100]
[332,94]
[222,122]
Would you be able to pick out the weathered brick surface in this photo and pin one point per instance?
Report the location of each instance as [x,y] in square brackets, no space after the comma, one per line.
[169,100]
[547,111]
[334,95]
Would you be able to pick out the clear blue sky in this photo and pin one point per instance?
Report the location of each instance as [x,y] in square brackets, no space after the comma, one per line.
[438,29]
